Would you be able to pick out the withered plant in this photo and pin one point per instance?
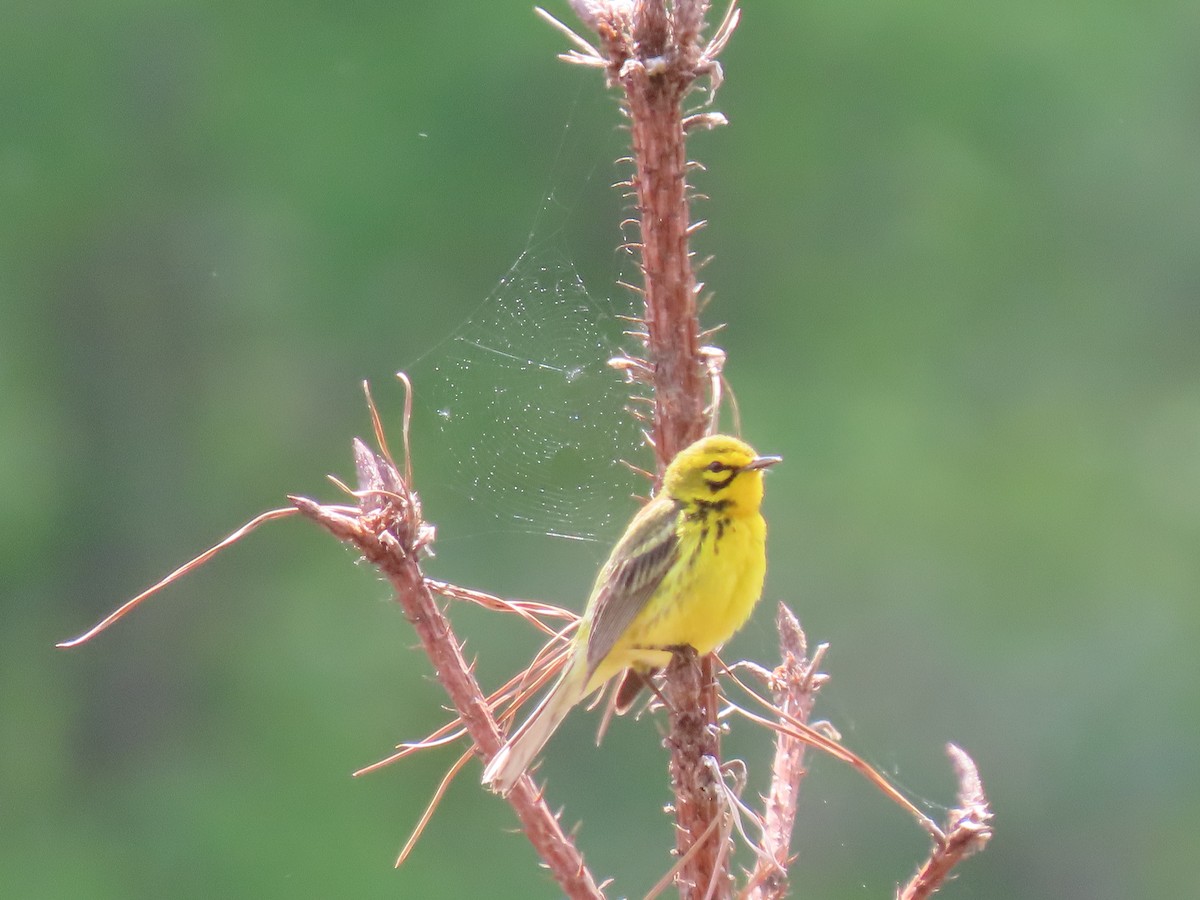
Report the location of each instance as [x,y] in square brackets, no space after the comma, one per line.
[655,54]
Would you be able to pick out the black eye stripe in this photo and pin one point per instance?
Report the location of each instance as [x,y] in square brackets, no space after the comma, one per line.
[714,485]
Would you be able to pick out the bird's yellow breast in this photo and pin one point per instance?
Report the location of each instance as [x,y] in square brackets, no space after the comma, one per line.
[709,596]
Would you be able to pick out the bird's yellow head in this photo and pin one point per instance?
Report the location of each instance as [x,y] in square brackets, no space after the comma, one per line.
[718,468]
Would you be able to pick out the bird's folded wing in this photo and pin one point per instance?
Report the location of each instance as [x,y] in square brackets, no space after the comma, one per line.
[634,571]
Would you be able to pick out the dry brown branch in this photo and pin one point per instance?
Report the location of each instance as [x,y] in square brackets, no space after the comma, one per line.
[693,700]
[795,683]
[654,52]
[968,829]
[515,692]
[388,531]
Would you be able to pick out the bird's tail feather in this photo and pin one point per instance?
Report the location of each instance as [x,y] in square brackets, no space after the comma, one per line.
[527,741]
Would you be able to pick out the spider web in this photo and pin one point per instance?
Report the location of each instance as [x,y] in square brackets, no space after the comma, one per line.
[531,419]
[530,415]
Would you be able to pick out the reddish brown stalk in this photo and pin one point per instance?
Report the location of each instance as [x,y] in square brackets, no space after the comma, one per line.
[653,51]
[388,531]
[654,103]
[968,829]
[795,684]
[655,55]
[693,697]
[662,66]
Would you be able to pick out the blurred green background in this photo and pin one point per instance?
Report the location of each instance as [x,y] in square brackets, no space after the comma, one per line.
[956,246]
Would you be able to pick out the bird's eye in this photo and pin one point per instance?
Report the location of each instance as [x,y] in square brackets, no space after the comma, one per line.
[716,466]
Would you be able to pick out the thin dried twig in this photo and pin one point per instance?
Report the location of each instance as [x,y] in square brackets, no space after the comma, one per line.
[515,692]
[663,883]
[968,829]
[530,610]
[432,807]
[129,605]
[447,734]
[794,728]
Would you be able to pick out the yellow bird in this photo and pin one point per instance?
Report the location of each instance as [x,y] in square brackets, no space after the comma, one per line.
[688,570]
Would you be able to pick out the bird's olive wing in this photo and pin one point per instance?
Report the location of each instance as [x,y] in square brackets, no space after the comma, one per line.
[632,574]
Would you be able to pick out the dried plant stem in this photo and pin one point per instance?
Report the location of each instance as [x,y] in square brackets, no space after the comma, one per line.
[654,54]
[386,530]
[672,326]
[968,829]
[795,683]
[653,51]
[693,698]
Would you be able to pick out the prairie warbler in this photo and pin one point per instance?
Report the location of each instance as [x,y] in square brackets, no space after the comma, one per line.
[688,570]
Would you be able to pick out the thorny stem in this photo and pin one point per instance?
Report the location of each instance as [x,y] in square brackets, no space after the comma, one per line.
[653,51]
[691,691]
[795,683]
[654,103]
[968,829]
[388,532]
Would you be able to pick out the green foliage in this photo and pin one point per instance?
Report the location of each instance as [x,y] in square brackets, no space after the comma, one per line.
[956,247]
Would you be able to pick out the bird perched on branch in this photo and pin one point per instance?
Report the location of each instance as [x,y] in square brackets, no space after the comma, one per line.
[688,571]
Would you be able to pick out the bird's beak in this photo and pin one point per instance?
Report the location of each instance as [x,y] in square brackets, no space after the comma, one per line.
[761,462]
